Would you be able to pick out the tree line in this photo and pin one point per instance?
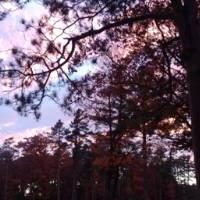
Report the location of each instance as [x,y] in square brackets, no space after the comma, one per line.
[71,162]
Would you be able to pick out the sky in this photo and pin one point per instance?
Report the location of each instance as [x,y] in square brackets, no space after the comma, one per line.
[14,125]
[11,123]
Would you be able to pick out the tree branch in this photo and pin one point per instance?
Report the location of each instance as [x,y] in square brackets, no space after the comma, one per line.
[131,20]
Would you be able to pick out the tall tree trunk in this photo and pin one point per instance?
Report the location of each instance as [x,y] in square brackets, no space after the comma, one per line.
[58,170]
[186,18]
[194,92]
[6,182]
[74,184]
[112,183]
[144,150]
[115,183]
[75,172]
[58,182]
[93,186]
[109,173]
[108,184]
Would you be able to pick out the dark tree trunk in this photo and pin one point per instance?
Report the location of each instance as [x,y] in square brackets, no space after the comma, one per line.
[59,170]
[112,183]
[74,183]
[6,181]
[93,186]
[194,92]
[144,149]
[58,182]
[186,17]
[108,185]
[76,171]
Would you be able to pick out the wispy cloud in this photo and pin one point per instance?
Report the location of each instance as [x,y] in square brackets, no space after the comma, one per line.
[24,134]
[6,125]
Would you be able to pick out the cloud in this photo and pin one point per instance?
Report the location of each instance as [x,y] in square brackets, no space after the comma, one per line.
[18,136]
[9,124]
[6,125]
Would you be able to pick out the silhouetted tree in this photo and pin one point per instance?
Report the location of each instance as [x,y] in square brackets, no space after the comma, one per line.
[76,135]
[7,153]
[58,134]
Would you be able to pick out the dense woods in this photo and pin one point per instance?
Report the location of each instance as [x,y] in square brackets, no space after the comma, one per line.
[69,163]
[135,109]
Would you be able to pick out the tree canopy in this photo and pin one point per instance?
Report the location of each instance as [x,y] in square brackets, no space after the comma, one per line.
[146,78]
